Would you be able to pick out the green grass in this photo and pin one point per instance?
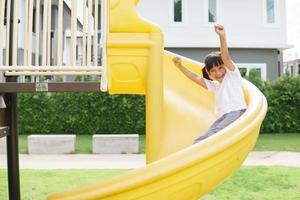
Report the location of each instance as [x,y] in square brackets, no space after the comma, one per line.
[142,144]
[266,142]
[249,183]
[278,142]
[23,144]
[83,144]
[260,183]
[38,184]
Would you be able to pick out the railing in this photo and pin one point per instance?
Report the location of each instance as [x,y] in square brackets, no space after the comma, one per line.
[51,70]
[40,42]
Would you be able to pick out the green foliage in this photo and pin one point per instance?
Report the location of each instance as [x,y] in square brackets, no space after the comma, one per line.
[34,109]
[86,78]
[78,78]
[283,105]
[81,113]
[58,78]
[283,96]
[94,113]
[255,77]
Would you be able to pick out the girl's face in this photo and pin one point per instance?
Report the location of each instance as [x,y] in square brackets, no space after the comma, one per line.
[217,73]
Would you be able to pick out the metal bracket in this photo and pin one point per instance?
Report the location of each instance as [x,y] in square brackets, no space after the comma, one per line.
[4,131]
[41,87]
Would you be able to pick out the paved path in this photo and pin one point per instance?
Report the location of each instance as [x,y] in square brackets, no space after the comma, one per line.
[273,158]
[131,161]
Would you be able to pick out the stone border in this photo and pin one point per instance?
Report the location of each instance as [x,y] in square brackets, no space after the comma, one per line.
[3,145]
[115,143]
[51,144]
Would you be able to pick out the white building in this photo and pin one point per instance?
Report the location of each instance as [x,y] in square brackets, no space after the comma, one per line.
[256,29]
[292,67]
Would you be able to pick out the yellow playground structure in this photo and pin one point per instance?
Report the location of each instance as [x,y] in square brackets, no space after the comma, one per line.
[177,110]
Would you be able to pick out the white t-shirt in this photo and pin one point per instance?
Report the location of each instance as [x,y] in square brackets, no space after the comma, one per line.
[229,94]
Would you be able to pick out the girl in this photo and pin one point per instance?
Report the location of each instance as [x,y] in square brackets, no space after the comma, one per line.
[222,77]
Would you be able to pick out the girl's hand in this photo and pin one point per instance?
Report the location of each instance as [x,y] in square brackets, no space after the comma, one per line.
[177,62]
[220,30]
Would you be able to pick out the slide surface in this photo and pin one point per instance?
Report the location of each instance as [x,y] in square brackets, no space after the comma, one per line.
[183,171]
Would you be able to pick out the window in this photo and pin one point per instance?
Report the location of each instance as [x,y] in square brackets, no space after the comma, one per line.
[247,69]
[250,72]
[292,70]
[77,52]
[212,11]
[177,10]
[34,20]
[270,11]
[243,71]
[5,13]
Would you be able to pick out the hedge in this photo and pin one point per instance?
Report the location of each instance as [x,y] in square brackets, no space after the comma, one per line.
[96,113]
[283,96]
[80,113]
[283,106]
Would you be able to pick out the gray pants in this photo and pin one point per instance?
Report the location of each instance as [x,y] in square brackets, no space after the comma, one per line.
[220,123]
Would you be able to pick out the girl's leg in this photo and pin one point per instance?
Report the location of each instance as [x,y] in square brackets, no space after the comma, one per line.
[211,130]
[221,123]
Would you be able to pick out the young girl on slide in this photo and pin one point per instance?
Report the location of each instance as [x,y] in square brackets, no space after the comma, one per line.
[222,77]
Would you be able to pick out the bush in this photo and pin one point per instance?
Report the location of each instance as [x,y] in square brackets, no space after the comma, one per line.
[93,113]
[255,78]
[80,113]
[283,96]
[283,105]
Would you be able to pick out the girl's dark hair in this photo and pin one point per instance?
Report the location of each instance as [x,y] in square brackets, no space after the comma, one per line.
[211,60]
[205,74]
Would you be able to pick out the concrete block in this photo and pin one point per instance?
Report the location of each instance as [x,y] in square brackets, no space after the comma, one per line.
[115,144]
[51,144]
[3,145]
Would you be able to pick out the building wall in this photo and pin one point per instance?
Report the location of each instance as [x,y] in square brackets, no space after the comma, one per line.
[292,67]
[244,21]
[240,56]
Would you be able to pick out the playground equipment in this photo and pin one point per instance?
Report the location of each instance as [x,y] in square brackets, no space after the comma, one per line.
[177,110]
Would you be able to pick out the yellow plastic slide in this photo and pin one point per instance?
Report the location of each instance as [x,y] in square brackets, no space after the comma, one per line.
[177,111]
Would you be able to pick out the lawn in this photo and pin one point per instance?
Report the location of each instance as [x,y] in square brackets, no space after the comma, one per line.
[260,183]
[249,183]
[266,142]
[38,184]
[278,142]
